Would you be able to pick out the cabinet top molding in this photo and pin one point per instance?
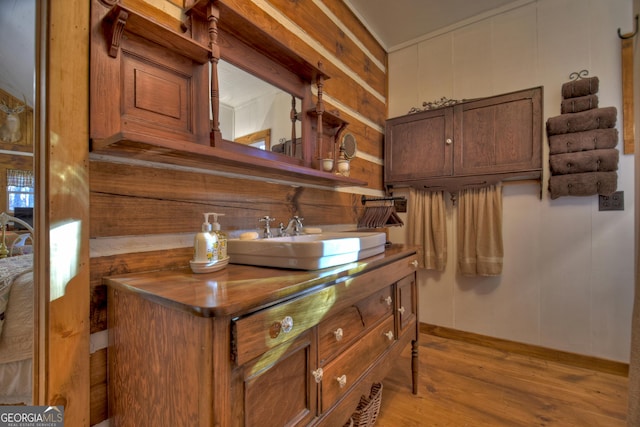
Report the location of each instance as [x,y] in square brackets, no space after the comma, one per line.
[433,105]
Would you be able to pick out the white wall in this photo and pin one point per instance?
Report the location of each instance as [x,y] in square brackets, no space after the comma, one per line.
[568,274]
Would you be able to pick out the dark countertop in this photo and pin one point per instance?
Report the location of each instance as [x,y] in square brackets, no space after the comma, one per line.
[240,288]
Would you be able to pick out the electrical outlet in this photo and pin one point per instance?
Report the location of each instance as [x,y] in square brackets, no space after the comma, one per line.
[614,202]
[400,205]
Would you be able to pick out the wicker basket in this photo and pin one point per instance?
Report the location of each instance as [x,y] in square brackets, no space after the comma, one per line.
[368,409]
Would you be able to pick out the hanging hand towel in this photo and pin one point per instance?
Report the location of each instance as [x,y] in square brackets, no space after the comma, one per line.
[584,161]
[427,228]
[598,118]
[581,103]
[583,184]
[581,141]
[581,87]
[480,248]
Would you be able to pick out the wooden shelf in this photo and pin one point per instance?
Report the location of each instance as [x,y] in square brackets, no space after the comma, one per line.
[203,157]
[122,19]
[151,105]
[232,21]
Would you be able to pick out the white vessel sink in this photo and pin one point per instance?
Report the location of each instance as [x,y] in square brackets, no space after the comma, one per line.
[307,251]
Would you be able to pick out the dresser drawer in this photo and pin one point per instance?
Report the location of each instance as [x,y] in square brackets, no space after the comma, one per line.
[339,331]
[258,332]
[346,369]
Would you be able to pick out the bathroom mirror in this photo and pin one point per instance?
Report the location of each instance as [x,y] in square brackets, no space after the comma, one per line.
[256,113]
[19,30]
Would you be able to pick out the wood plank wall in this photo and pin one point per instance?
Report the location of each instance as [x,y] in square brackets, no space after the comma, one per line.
[144,200]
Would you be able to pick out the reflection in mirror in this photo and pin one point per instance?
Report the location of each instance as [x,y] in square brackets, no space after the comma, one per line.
[17,100]
[256,113]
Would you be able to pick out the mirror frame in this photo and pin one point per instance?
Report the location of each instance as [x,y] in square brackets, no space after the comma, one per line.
[40,224]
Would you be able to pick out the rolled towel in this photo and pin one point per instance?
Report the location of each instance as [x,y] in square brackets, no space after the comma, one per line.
[584,161]
[583,184]
[580,141]
[581,103]
[598,118]
[582,87]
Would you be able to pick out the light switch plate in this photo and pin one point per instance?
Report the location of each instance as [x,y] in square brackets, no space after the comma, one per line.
[614,202]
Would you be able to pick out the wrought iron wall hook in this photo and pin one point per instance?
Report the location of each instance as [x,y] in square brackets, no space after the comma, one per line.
[635,31]
[579,75]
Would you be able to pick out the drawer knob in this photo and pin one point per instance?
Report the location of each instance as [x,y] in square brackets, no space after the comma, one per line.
[401,310]
[338,333]
[284,326]
[449,141]
[342,381]
[387,299]
[287,324]
[388,335]
[317,374]
[414,263]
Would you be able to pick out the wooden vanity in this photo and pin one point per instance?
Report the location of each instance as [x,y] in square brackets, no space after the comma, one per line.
[249,346]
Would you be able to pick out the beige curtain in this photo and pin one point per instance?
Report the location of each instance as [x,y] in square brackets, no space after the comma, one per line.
[426,227]
[480,250]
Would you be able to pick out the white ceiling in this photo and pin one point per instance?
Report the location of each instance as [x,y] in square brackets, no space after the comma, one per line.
[397,22]
[17,48]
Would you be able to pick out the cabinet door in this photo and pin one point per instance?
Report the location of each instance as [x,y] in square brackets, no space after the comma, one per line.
[500,134]
[407,303]
[279,387]
[418,146]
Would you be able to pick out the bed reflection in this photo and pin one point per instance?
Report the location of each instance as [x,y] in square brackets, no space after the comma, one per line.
[16,313]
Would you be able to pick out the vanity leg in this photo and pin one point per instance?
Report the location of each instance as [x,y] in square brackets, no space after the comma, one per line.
[414,365]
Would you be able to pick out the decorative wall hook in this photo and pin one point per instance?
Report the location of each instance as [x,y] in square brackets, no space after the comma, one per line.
[440,103]
[629,35]
[579,75]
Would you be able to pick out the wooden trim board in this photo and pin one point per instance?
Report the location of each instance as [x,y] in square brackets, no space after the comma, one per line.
[572,359]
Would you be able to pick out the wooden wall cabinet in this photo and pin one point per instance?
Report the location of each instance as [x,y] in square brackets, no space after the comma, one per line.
[152,99]
[473,143]
[298,349]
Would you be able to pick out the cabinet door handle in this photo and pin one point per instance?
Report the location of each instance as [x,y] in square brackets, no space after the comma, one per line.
[338,333]
[388,335]
[401,310]
[449,141]
[414,263]
[386,299]
[317,375]
[342,381]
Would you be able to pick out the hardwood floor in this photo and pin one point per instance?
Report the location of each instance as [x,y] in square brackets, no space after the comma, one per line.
[464,384]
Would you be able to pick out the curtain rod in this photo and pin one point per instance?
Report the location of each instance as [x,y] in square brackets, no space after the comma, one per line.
[376,199]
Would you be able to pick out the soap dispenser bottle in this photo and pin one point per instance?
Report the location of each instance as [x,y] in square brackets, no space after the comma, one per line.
[221,237]
[205,245]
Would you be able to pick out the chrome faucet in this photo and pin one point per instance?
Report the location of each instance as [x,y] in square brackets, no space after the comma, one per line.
[293,228]
[266,233]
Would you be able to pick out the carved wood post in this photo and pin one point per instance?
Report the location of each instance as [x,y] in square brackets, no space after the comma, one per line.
[213,15]
[294,118]
[319,112]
